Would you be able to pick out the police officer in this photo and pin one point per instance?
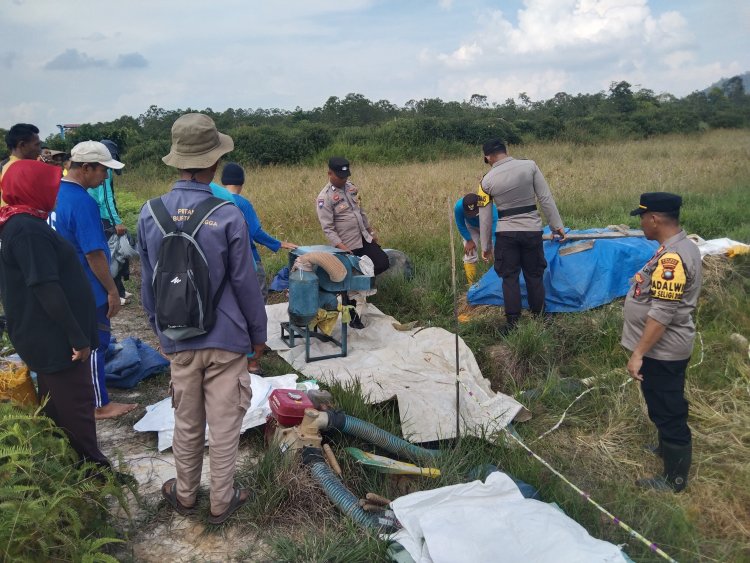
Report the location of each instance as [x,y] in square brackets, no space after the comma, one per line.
[659,331]
[344,221]
[515,186]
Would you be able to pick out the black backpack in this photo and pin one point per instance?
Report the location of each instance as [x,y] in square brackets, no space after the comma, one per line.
[185,307]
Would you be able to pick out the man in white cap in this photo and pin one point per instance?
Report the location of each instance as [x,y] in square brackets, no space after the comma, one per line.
[210,383]
[76,218]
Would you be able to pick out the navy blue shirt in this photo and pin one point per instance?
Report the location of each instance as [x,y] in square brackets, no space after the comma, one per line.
[76,218]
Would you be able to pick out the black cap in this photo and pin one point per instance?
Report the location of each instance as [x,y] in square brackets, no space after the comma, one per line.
[471,205]
[492,146]
[233,174]
[339,166]
[658,201]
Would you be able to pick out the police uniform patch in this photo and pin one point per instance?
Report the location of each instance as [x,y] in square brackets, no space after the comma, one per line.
[668,279]
[336,198]
[484,197]
[321,202]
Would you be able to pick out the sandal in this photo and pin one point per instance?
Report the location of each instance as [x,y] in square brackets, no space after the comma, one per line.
[169,492]
[236,502]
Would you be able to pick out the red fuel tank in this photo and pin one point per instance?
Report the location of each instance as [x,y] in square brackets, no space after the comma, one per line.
[288,406]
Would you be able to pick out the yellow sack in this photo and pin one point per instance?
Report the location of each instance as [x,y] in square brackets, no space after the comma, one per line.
[16,384]
[325,321]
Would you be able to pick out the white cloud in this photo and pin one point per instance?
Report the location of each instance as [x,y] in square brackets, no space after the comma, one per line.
[557,26]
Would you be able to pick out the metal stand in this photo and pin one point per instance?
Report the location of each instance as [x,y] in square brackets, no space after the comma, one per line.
[291,331]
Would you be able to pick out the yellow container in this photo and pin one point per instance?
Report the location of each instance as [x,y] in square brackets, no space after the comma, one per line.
[16,384]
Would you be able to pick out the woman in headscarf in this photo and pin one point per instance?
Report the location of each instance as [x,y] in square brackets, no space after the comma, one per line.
[48,303]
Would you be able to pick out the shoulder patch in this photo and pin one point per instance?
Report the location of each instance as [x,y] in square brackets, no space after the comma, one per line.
[321,202]
[668,280]
[484,197]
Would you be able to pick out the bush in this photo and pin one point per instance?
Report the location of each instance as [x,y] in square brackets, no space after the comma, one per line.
[51,508]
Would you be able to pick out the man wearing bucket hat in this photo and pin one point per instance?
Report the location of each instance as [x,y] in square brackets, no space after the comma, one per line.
[76,218]
[659,331]
[210,383]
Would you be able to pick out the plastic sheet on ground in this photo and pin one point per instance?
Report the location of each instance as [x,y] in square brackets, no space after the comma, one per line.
[717,245]
[492,521]
[416,366]
[160,416]
[580,280]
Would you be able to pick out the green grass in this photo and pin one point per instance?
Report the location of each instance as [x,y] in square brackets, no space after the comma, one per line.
[599,445]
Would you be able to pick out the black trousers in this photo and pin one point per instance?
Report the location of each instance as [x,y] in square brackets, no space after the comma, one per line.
[376,254]
[516,251]
[663,389]
[71,406]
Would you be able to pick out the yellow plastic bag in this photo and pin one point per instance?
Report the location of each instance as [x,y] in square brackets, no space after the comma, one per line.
[16,384]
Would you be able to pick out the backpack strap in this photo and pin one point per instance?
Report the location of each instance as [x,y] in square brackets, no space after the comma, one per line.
[201,213]
[199,216]
[161,216]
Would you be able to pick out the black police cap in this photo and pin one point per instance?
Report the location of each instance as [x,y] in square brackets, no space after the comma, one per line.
[664,202]
[339,166]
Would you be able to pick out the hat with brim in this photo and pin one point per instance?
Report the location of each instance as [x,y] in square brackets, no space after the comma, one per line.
[658,202]
[196,143]
[94,152]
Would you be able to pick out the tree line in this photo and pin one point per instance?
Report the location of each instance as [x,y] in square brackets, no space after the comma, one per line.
[430,128]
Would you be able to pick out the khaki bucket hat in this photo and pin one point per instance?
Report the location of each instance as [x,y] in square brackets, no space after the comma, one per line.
[196,143]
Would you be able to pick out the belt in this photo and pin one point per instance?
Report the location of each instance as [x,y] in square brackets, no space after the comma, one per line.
[515,211]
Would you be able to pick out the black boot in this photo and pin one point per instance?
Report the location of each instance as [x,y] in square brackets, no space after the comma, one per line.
[356,321]
[511,321]
[655,449]
[677,460]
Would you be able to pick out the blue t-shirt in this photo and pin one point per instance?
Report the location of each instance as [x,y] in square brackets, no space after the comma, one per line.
[76,218]
[462,220]
[256,232]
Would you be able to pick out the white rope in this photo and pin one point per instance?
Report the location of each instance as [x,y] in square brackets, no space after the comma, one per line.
[700,338]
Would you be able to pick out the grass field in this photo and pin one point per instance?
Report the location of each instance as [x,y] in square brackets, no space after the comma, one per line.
[599,446]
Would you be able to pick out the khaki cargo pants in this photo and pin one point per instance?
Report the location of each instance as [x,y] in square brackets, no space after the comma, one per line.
[213,386]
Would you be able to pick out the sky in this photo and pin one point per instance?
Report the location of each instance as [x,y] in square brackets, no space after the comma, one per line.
[78,61]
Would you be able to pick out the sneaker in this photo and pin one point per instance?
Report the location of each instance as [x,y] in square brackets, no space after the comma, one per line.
[123,301]
[128,295]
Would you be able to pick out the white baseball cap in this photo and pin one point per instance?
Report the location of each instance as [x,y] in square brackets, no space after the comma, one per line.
[94,151]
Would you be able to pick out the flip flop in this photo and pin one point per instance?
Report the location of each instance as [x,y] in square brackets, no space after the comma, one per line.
[234,504]
[169,492]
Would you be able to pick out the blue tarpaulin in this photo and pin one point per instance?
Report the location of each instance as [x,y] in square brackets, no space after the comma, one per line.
[131,361]
[577,281]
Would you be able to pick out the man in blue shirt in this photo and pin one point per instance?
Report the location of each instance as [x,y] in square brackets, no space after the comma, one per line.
[233,178]
[76,218]
[466,213]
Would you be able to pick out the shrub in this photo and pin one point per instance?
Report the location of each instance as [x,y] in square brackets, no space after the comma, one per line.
[51,508]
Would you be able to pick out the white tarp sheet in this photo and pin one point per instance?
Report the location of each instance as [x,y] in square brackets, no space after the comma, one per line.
[492,521]
[417,367]
[160,416]
[715,246]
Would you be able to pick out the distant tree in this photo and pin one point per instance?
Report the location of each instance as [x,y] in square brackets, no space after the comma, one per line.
[734,90]
[478,101]
[621,97]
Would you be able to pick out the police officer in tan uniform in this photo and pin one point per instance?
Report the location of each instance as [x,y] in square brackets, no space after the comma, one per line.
[344,221]
[515,186]
[659,332]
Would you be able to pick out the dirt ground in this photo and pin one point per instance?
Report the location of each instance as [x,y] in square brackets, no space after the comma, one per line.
[157,533]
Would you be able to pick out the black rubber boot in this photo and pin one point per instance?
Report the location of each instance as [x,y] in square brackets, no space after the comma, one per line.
[356,321]
[511,321]
[677,460]
[654,449]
